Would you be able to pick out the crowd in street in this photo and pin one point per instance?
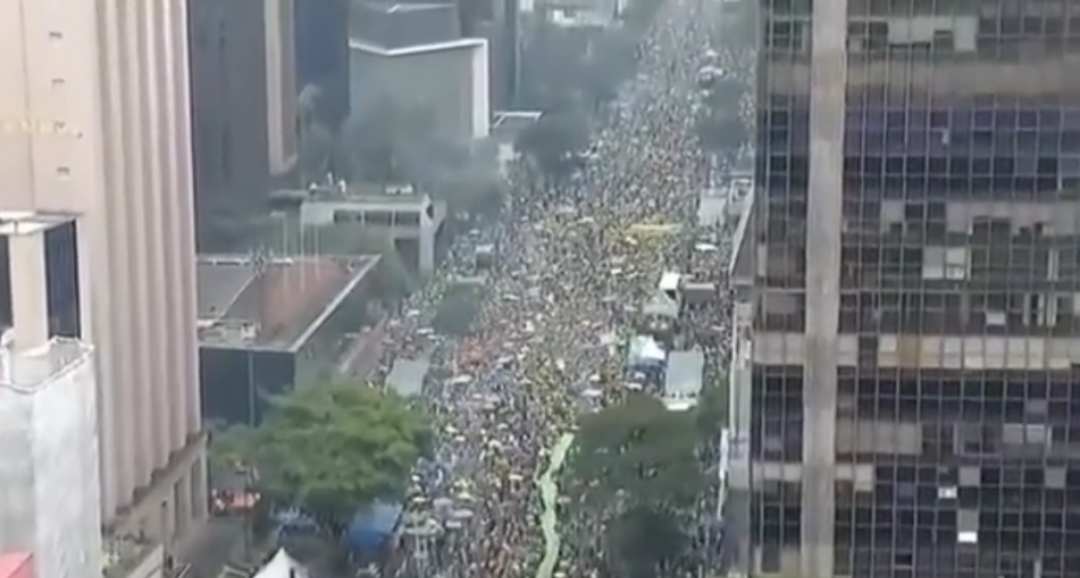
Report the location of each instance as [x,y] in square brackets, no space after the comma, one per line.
[574,264]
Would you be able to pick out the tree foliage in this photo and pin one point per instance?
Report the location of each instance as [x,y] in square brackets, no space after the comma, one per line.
[644,542]
[711,413]
[332,448]
[637,453]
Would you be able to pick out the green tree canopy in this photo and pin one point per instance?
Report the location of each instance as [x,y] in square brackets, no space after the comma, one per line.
[711,413]
[636,467]
[637,452]
[331,448]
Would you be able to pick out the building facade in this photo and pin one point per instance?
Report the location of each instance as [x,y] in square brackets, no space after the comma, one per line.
[96,97]
[322,55]
[915,342]
[48,408]
[229,127]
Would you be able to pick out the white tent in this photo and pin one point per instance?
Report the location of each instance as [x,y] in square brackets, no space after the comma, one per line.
[645,349]
[282,566]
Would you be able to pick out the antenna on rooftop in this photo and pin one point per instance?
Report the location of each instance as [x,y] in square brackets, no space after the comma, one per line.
[260,262]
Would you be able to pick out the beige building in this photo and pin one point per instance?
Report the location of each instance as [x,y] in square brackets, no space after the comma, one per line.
[94,120]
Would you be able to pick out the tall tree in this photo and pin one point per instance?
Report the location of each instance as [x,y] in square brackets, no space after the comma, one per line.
[637,452]
[636,469]
[332,448]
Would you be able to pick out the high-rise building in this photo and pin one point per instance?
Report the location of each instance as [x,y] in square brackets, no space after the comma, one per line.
[322,55]
[244,110]
[915,342]
[95,113]
[413,55]
[48,412]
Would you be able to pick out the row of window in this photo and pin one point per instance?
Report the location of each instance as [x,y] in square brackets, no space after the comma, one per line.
[994,115]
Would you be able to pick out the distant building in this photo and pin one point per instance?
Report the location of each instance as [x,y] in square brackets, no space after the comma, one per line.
[268,323]
[322,55]
[238,49]
[413,54]
[414,221]
[499,22]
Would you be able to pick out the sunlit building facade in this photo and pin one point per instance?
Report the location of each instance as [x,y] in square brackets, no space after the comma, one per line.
[916,339]
[95,119]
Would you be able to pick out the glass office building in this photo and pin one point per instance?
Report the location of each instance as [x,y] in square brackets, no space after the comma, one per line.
[916,340]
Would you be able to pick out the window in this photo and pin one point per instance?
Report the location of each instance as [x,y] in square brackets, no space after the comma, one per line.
[957,263]
[382,218]
[933,263]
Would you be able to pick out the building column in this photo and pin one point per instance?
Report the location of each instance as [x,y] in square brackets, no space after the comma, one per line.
[427,250]
[824,221]
[29,288]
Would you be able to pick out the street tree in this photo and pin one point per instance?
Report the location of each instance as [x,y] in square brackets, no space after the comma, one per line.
[636,468]
[637,452]
[332,448]
[711,413]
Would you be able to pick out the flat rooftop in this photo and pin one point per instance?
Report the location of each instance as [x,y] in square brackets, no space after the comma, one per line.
[277,304]
[36,367]
[514,121]
[14,223]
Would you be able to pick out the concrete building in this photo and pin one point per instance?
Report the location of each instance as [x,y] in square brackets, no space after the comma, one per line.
[322,55]
[48,408]
[498,22]
[99,92]
[916,339]
[269,323]
[413,221]
[237,50]
[414,55]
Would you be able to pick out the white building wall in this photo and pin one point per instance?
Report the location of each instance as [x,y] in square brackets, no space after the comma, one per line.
[50,495]
[450,78]
[100,91]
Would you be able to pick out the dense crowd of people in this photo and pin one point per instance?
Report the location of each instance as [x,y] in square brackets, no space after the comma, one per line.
[574,265]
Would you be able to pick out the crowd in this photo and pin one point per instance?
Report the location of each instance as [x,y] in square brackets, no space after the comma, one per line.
[574,264]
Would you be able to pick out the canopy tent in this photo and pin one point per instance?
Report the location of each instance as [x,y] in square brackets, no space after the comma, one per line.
[645,350]
[372,527]
[682,383]
[282,566]
[406,377]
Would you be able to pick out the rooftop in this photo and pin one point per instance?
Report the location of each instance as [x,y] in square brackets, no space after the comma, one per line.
[33,368]
[416,49]
[406,378]
[513,121]
[395,25]
[358,193]
[274,304]
[28,222]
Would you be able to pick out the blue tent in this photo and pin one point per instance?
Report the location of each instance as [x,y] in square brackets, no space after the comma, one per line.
[372,527]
